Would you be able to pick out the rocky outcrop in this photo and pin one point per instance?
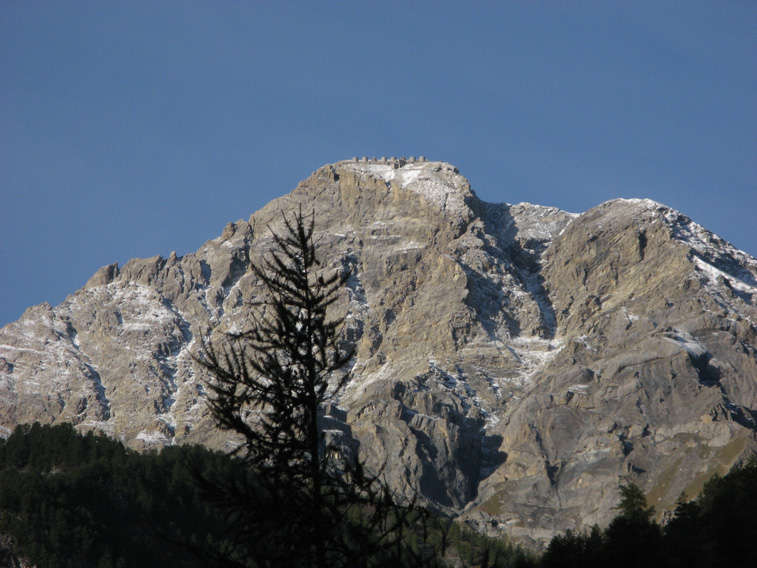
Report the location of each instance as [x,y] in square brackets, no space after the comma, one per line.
[653,379]
[514,363]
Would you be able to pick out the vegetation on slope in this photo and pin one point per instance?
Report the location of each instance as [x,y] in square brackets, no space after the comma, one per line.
[87,501]
[716,529]
[68,500]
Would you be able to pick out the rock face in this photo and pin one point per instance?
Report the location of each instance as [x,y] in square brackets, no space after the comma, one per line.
[515,363]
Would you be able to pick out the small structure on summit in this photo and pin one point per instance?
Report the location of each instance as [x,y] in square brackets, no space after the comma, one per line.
[393,161]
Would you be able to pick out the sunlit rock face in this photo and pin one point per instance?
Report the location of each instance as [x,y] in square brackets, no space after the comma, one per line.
[514,363]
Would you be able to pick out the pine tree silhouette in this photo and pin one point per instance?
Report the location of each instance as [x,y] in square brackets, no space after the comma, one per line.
[301,500]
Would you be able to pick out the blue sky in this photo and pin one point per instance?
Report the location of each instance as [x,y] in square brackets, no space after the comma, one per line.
[129,129]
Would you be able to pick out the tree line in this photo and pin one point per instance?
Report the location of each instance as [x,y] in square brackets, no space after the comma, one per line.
[86,501]
[717,529]
[68,500]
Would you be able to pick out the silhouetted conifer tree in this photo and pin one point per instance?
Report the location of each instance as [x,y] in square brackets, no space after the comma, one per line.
[306,503]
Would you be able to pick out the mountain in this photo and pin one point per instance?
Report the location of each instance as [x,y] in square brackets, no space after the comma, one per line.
[514,363]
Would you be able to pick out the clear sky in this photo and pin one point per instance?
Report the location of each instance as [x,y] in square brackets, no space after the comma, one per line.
[129,129]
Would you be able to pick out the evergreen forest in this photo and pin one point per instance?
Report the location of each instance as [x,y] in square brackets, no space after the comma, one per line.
[86,501]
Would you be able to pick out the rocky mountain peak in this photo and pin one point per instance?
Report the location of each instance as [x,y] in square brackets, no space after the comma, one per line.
[514,363]
[438,182]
